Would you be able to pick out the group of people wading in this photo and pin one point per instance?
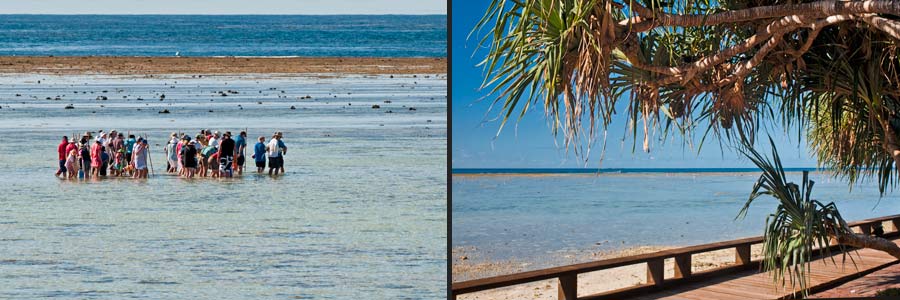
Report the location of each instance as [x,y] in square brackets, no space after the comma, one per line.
[208,154]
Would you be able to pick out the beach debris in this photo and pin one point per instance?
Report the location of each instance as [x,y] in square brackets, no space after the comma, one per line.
[292,107]
[70,106]
[18,95]
[412,108]
[392,76]
[48,98]
[463,257]
[258,102]
[349,104]
[389,112]
[101,98]
[105,91]
[376,106]
[161,97]
[429,121]
[388,101]
[164,111]
[210,110]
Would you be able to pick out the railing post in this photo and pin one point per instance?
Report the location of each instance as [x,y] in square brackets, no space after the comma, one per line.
[742,254]
[865,228]
[655,271]
[896,224]
[568,287]
[683,266]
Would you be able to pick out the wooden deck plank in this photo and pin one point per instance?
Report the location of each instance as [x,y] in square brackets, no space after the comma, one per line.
[758,285]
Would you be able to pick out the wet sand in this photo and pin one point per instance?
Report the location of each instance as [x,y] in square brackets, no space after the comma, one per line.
[116,65]
[467,265]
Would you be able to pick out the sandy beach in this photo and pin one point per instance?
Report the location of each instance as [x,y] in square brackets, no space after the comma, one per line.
[120,65]
[466,265]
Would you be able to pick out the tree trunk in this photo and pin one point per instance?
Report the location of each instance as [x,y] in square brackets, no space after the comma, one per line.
[870,242]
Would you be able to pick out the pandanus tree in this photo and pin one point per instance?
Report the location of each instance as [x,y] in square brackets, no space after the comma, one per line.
[724,69]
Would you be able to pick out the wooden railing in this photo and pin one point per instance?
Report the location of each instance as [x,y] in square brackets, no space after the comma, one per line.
[567,276]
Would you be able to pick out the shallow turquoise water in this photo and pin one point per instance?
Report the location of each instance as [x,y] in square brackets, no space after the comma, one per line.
[539,218]
[360,214]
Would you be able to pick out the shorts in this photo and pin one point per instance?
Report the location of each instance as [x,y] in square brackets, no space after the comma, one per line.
[260,164]
[240,160]
[62,165]
[276,162]
[190,164]
[225,163]
[128,157]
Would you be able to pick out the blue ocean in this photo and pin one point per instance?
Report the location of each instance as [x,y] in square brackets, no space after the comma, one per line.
[550,217]
[224,35]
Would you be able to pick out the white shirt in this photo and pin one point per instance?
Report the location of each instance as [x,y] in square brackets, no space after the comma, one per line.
[213,142]
[274,150]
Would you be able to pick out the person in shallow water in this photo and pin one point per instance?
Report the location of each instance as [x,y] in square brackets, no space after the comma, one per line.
[85,154]
[104,159]
[129,146]
[61,150]
[139,159]
[72,160]
[277,150]
[226,155]
[241,144]
[188,157]
[259,154]
[96,158]
[171,155]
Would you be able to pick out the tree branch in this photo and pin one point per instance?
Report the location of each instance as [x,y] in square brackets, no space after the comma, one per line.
[816,9]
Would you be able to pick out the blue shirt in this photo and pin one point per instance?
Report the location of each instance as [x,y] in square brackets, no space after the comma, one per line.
[259,151]
[240,142]
[129,145]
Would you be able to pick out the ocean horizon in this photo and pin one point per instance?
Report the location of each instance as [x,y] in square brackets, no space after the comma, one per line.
[224,35]
[472,171]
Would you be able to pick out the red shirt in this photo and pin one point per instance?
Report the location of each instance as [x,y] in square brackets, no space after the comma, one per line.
[95,155]
[71,147]
[62,150]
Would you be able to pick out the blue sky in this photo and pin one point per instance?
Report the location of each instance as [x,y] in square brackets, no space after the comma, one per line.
[305,7]
[531,144]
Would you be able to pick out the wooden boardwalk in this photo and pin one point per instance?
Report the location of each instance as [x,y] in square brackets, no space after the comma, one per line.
[752,284]
[741,280]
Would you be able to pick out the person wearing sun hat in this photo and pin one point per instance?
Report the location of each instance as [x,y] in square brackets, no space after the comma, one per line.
[276,150]
[188,157]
